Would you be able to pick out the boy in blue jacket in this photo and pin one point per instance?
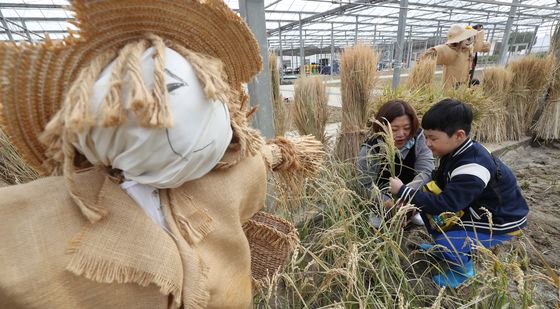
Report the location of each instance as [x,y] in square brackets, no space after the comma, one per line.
[470,182]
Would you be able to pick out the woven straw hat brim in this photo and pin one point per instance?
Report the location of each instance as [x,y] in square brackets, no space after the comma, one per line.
[35,78]
[467,33]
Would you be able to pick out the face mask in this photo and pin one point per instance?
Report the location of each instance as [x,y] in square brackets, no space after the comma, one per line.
[161,157]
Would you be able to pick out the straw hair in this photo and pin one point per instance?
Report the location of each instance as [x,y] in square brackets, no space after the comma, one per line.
[310,109]
[358,75]
[38,77]
[278,106]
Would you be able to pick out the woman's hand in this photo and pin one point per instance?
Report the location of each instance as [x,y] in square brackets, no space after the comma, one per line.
[395,184]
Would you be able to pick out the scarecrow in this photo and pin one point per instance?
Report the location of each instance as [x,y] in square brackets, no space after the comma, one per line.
[139,122]
[456,55]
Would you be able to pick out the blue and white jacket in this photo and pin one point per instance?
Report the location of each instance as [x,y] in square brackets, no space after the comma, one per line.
[472,180]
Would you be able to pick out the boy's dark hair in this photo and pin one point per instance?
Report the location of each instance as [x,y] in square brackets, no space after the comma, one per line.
[393,109]
[449,116]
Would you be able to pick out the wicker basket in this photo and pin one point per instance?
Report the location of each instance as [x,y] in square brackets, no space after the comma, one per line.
[272,240]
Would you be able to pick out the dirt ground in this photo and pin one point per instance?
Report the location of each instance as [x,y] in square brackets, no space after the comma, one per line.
[538,174]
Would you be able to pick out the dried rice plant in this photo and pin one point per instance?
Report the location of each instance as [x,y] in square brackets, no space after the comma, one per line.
[343,262]
[13,169]
[485,114]
[358,76]
[496,84]
[302,158]
[422,74]
[482,107]
[548,125]
[530,76]
[310,110]
[279,109]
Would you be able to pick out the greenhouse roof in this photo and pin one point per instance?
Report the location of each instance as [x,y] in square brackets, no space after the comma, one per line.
[348,21]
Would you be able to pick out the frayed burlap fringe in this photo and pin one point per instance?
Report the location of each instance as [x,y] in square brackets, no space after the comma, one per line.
[193,223]
[102,271]
[195,288]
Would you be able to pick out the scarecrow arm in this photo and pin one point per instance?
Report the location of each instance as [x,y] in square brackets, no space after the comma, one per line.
[441,53]
[480,45]
[302,155]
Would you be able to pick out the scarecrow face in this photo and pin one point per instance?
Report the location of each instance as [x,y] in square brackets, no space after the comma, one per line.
[468,42]
[161,157]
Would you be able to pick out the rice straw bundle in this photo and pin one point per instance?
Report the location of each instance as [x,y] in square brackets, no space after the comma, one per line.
[422,74]
[421,99]
[310,109]
[496,84]
[481,105]
[530,76]
[13,169]
[548,125]
[294,160]
[358,76]
[279,109]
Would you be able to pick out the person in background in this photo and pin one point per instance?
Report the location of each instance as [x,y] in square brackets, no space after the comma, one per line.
[470,182]
[414,160]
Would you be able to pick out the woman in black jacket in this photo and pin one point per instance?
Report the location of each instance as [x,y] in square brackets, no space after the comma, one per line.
[414,161]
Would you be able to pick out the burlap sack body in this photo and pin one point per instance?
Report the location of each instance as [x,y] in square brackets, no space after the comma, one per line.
[52,257]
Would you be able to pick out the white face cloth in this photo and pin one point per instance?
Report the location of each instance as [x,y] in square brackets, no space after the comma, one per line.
[162,158]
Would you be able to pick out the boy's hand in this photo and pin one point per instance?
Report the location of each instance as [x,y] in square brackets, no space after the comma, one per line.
[395,184]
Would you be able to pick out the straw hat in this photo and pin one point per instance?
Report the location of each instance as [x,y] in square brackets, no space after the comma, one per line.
[37,77]
[458,33]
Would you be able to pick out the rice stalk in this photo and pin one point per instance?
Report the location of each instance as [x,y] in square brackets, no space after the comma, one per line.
[310,110]
[13,169]
[547,126]
[358,76]
[496,83]
[486,116]
[530,76]
[422,74]
[279,108]
[342,262]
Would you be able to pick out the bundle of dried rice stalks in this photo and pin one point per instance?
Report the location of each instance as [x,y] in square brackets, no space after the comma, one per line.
[422,74]
[484,111]
[13,169]
[496,84]
[482,106]
[294,160]
[279,109]
[310,110]
[358,75]
[530,77]
[548,125]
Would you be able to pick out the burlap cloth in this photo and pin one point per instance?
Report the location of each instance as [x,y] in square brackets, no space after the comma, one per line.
[52,257]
